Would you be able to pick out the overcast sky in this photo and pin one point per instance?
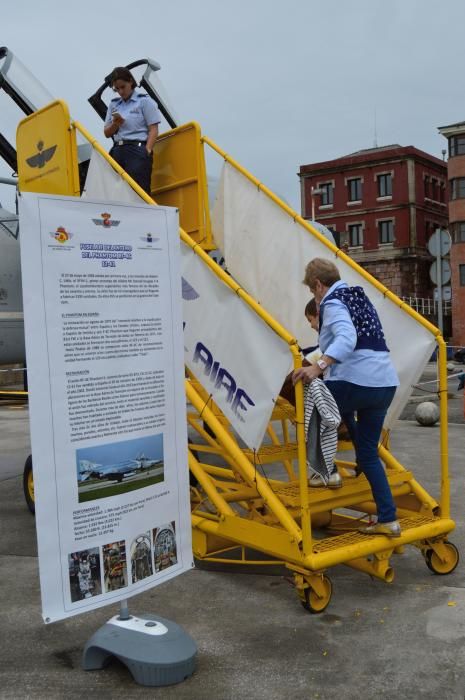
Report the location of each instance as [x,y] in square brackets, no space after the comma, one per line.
[276,84]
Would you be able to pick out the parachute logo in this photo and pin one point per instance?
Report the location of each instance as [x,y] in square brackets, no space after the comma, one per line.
[43,156]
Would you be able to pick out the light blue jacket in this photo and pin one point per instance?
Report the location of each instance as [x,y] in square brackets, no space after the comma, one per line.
[338,339]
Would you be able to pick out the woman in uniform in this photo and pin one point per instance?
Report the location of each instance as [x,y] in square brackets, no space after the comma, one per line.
[132,121]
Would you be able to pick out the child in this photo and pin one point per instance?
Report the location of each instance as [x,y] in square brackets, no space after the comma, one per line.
[311,354]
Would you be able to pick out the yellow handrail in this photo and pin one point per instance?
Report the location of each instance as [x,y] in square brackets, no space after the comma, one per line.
[443,429]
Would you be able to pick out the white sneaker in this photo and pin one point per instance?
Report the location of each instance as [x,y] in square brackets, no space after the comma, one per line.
[334,481]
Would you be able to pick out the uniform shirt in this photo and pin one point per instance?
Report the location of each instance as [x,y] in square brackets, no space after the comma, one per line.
[139,112]
[338,339]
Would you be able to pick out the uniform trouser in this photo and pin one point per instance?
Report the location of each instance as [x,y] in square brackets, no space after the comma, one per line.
[371,405]
[135,161]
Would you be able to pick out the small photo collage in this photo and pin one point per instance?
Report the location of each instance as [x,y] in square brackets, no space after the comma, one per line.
[103,570]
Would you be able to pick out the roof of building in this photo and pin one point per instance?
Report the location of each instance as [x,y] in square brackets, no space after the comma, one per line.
[452,126]
[457,129]
[378,154]
[375,149]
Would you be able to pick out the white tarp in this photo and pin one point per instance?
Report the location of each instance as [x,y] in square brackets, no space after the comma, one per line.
[248,360]
[266,252]
[239,360]
[102,308]
[102,182]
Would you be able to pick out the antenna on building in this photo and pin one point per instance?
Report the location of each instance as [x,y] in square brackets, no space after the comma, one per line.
[375,143]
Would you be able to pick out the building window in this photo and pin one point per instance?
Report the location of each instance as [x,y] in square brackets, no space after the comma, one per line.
[458,232]
[354,186]
[442,193]
[326,193]
[355,235]
[457,145]
[462,275]
[434,189]
[427,188]
[386,231]
[385,185]
[457,188]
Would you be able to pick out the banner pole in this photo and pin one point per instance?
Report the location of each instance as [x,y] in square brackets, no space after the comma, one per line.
[439,277]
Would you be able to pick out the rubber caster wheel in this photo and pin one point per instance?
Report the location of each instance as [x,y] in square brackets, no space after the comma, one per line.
[312,603]
[439,567]
[28,485]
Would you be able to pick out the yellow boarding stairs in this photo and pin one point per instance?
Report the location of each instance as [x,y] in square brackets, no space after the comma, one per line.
[255,507]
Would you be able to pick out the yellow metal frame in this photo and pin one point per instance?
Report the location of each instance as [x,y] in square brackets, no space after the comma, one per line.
[47,152]
[235,507]
[13,394]
[179,180]
[442,354]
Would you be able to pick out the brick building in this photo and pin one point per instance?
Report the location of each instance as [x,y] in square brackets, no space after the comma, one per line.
[385,203]
[455,135]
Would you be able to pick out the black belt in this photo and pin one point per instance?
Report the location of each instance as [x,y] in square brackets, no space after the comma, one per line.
[125,142]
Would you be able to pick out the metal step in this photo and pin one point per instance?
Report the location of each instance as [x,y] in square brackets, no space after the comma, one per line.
[356,489]
[408,526]
[267,454]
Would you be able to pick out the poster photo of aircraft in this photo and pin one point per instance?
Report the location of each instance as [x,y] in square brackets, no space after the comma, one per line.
[119,467]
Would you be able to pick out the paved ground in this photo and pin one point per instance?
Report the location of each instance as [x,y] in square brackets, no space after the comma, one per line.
[426,391]
[255,640]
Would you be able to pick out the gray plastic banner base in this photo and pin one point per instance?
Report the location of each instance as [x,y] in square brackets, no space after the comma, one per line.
[156,651]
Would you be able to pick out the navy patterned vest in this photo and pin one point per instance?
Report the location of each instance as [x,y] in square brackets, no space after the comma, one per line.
[363,314]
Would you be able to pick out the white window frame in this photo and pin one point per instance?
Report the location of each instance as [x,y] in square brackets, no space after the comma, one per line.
[392,219]
[387,197]
[351,203]
[319,185]
[356,223]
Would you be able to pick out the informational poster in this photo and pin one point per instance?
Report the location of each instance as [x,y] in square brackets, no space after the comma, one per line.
[103,321]
[236,357]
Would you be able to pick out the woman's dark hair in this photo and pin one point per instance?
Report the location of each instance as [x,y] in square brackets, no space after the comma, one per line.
[122,73]
[311,309]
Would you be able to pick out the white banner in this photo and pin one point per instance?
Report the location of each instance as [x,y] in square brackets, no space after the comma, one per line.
[102,306]
[266,251]
[218,329]
[102,182]
[238,359]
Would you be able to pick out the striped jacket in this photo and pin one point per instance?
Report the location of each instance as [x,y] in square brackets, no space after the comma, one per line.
[321,422]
